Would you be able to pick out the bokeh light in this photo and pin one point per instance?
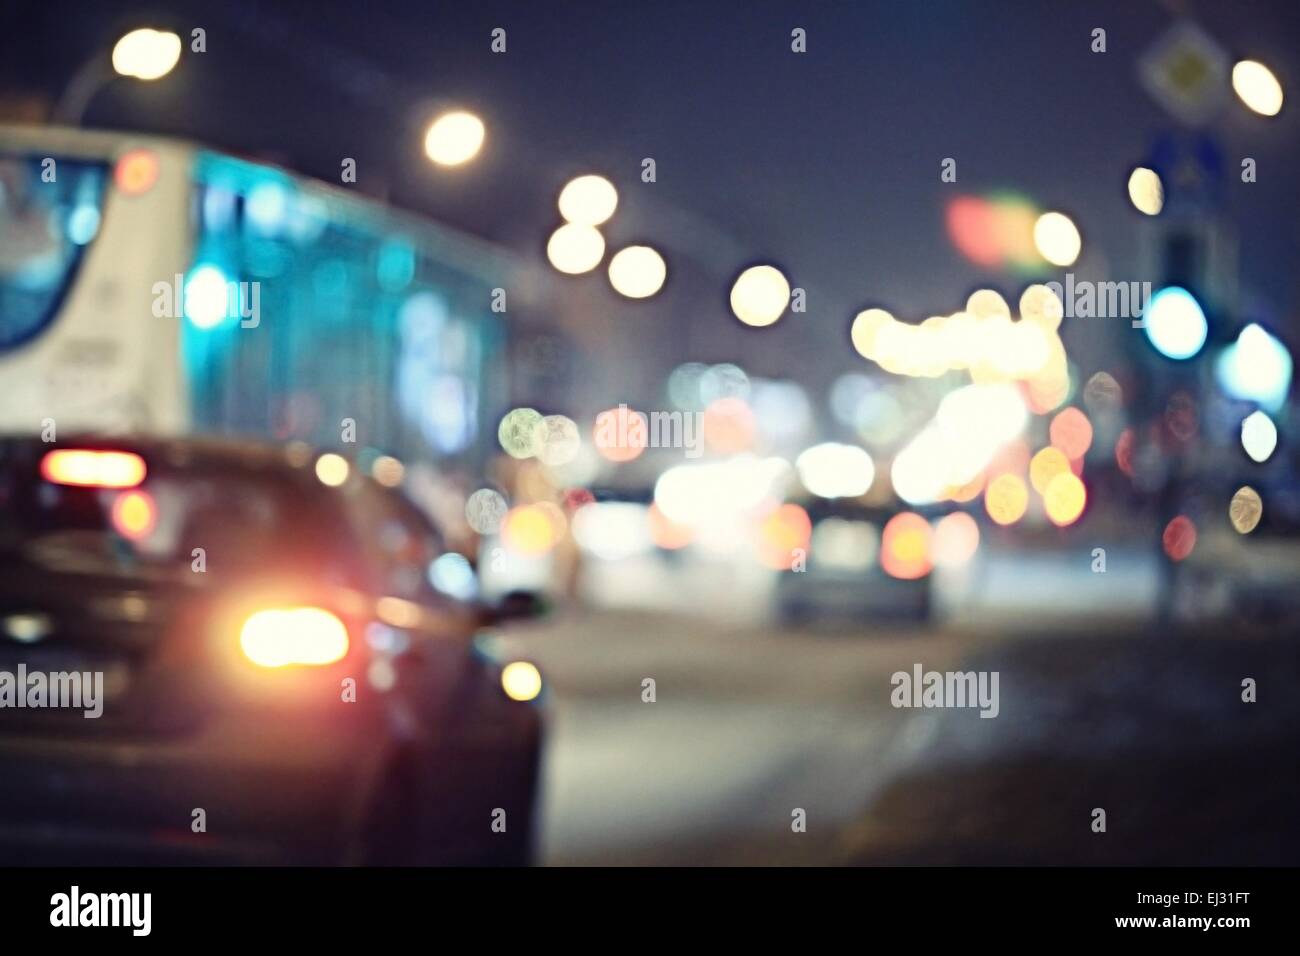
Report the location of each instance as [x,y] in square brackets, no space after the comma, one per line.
[1179,538]
[833,470]
[1258,436]
[588,200]
[905,546]
[485,509]
[783,531]
[146,54]
[332,469]
[1071,432]
[517,432]
[454,138]
[637,272]
[1257,87]
[1245,510]
[1057,238]
[1175,323]
[956,538]
[556,440]
[532,530]
[574,249]
[620,434]
[760,295]
[1006,499]
[1046,464]
[1145,191]
[1064,499]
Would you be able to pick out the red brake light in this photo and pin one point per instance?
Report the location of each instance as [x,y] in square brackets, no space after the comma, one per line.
[93,469]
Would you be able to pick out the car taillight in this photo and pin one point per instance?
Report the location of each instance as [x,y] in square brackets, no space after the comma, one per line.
[278,637]
[90,468]
[134,514]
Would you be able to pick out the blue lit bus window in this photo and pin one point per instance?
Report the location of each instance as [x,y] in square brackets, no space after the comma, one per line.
[44,229]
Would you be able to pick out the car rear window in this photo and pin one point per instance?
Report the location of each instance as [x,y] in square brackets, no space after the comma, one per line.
[244,523]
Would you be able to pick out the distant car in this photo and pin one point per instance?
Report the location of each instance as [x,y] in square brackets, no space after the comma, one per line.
[281,679]
[843,582]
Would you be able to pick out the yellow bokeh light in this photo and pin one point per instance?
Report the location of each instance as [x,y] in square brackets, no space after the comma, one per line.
[760,295]
[1057,238]
[332,469]
[146,54]
[1046,465]
[1006,499]
[530,530]
[521,680]
[588,200]
[1257,87]
[1064,499]
[637,272]
[574,249]
[866,331]
[454,138]
[1146,191]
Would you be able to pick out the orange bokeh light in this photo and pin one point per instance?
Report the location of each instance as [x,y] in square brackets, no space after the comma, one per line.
[1064,499]
[905,546]
[1071,432]
[532,529]
[1046,464]
[1006,499]
[134,515]
[781,532]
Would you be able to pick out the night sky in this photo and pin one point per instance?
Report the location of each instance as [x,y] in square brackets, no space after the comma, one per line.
[826,163]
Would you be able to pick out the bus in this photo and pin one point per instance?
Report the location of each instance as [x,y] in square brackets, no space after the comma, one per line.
[154,286]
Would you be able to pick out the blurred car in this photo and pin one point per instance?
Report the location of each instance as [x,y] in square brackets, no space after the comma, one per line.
[282,681]
[844,581]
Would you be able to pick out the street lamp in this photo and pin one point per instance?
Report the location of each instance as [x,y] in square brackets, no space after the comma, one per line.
[146,54]
[143,54]
[454,138]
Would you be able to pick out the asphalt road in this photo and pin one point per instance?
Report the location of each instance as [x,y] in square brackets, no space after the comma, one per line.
[747,725]
[750,723]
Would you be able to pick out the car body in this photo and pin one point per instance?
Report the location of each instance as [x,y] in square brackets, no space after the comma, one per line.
[281,681]
[843,582]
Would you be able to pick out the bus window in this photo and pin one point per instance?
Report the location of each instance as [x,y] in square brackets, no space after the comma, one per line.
[49,212]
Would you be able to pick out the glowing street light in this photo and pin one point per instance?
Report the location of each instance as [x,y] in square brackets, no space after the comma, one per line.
[637,272]
[1146,191]
[575,249]
[143,54]
[146,54]
[760,295]
[1257,87]
[1057,238]
[454,138]
[588,200]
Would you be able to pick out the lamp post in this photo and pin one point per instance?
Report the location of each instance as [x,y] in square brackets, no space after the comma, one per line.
[143,54]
